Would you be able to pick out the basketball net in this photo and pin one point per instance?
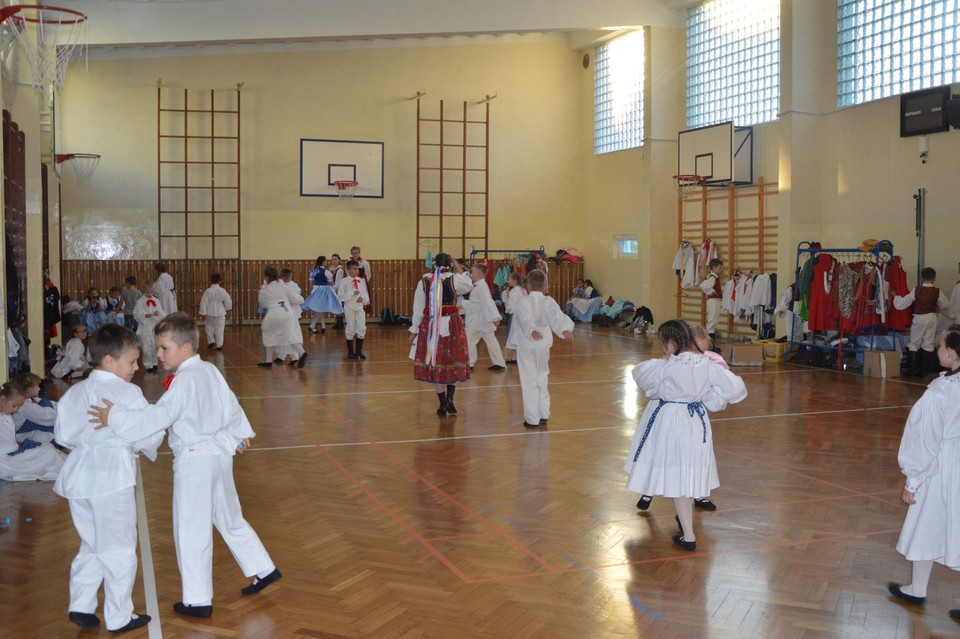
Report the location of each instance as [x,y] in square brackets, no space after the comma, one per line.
[346,188]
[686,184]
[46,37]
[84,164]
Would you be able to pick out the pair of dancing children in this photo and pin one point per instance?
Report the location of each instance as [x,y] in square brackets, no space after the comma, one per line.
[207,427]
[672,450]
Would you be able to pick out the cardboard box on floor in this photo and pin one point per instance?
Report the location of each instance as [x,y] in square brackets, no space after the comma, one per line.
[743,354]
[884,364]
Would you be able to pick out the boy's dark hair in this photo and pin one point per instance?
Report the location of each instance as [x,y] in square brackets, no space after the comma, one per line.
[678,332]
[131,280]
[114,289]
[160,267]
[180,328]
[286,275]
[215,278]
[270,273]
[928,274]
[480,267]
[951,339]
[353,263]
[715,262]
[536,280]
[91,290]
[113,340]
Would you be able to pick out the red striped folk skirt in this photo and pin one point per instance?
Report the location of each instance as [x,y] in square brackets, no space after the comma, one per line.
[452,363]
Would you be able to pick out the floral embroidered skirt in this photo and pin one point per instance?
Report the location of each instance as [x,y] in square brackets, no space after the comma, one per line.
[452,362]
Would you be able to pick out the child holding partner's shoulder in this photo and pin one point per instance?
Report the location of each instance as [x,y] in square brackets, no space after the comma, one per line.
[704,346]
[22,463]
[214,306]
[148,312]
[537,317]
[322,299]
[280,329]
[482,319]
[130,296]
[37,417]
[98,480]
[930,458]
[207,429]
[672,450]
[352,291]
[74,363]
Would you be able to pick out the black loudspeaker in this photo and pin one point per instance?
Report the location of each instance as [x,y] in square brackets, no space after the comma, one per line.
[952,110]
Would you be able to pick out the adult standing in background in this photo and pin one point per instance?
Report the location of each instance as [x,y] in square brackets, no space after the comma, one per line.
[163,288]
[366,273]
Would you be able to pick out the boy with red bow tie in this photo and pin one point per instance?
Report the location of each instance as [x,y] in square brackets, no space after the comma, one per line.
[352,291]
[148,311]
[365,272]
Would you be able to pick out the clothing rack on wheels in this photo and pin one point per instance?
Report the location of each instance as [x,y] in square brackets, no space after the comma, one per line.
[880,256]
[559,280]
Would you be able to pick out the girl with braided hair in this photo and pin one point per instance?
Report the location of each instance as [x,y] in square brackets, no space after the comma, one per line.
[438,339]
[672,451]
[930,458]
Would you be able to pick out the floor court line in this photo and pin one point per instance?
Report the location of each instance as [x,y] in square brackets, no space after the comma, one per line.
[154,629]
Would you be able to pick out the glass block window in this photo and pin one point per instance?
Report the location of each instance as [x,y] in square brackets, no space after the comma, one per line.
[889,47]
[618,94]
[733,62]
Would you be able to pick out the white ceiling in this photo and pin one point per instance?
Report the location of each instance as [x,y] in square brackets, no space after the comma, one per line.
[140,23]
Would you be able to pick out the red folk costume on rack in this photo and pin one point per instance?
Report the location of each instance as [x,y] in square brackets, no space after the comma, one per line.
[823,294]
[897,281]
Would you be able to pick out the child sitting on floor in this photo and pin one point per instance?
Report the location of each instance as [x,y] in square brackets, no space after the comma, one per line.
[73,364]
[36,418]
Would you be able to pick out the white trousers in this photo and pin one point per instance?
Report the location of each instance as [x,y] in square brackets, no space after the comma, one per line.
[923,332]
[356,320]
[205,496]
[713,314]
[534,367]
[148,348]
[107,527]
[214,326]
[493,346]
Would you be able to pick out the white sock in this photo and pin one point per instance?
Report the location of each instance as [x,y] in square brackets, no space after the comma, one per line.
[684,506]
[921,578]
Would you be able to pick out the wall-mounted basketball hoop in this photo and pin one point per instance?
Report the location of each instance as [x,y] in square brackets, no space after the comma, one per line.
[687,183]
[346,188]
[84,164]
[47,37]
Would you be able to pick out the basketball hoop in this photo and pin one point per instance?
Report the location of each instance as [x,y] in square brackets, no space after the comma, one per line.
[687,183]
[346,188]
[84,164]
[47,37]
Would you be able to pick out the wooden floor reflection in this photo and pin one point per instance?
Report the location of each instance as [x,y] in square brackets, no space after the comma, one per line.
[388,521]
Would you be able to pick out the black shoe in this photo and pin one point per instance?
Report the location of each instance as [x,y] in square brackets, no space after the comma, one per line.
[312,329]
[359,350]
[293,361]
[85,619]
[259,584]
[278,360]
[442,411]
[323,330]
[136,622]
[350,353]
[705,504]
[644,502]
[683,543]
[219,348]
[451,409]
[899,594]
[531,425]
[543,422]
[210,347]
[201,612]
[512,362]
[302,361]
[265,364]
[497,367]
[152,369]
[955,614]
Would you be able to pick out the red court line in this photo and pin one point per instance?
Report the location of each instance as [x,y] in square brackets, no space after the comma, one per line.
[379,503]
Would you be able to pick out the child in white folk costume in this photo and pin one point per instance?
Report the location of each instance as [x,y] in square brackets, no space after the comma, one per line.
[672,450]
[164,288]
[322,299]
[512,297]
[352,291]
[280,328]
[207,429]
[294,293]
[482,319]
[74,363]
[930,458]
[214,306]
[37,417]
[537,317]
[22,463]
[99,479]
[148,312]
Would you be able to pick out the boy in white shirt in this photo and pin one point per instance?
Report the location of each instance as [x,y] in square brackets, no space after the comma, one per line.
[482,319]
[98,479]
[536,316]
[207,428]
[714,292]
[352,291]
[148,311]
[214,306]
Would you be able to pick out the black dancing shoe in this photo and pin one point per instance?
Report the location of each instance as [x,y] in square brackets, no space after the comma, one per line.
[955,614]
[278,360]
[201,612]
[138,621]
[543,422]
[265,364]
[497,367]
[899,594]
[85,619]
[302,361]
[259,584]
[683,543]
[644,502]
[531,425]
[210,347]
[704,504]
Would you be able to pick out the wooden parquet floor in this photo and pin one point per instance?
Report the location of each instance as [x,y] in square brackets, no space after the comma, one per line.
[390,522]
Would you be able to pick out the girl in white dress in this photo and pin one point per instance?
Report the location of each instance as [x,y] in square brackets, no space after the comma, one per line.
[280,327]
[672,451]
[164,288]
[930,458]
[18,462]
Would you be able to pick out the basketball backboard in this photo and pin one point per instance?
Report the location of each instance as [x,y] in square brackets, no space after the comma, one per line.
[719,153]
